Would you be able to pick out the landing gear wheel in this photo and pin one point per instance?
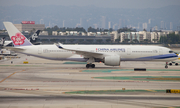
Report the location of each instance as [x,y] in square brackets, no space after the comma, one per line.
[176,64]
[166,67]
[170,64]
[93,65]
[88,65]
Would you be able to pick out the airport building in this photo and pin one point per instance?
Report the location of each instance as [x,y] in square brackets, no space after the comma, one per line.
[131,36]
[29,26]
[142,36]
[74,39]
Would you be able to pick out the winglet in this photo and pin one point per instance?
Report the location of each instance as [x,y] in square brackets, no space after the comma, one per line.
[59,45]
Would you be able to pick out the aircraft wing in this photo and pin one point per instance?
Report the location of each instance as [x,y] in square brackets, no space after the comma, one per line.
[85,53]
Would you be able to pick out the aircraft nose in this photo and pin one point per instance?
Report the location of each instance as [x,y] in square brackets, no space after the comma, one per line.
[179,56]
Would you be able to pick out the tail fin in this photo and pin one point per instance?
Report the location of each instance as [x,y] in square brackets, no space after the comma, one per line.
[34,37]
[16,36]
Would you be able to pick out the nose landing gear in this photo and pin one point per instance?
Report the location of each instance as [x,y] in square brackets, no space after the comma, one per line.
[166,66]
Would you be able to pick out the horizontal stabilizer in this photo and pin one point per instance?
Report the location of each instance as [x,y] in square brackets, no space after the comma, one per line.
[15,49]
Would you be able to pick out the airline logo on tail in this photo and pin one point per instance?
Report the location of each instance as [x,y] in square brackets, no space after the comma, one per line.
[18,39]
[34,36]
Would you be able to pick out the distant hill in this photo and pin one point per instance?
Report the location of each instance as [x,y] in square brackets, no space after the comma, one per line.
[91,15]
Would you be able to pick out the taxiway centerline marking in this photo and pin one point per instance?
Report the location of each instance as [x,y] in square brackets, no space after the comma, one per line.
[9,76]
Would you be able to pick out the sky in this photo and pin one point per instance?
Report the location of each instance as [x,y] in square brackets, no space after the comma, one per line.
[98,3]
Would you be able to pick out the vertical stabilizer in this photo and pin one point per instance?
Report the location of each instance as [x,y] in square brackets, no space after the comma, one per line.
[16,36]
[34,37]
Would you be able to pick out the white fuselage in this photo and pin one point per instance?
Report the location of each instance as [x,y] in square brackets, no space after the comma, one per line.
[126,52]
[111,55]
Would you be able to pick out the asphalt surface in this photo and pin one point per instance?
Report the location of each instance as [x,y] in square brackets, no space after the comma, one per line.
[54,84]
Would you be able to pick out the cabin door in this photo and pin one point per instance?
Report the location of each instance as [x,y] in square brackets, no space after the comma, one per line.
[160,51]
[39,50]
[129,51]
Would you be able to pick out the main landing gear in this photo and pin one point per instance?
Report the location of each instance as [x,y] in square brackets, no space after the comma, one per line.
[90,65]
[170,64]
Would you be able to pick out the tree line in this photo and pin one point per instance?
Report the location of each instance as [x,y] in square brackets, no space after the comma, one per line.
[90,29]
[63,29]
[171,38]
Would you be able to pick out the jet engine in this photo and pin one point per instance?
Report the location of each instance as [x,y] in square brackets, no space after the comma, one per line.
[113,60]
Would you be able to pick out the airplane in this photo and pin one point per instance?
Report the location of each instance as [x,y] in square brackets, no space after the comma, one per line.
[2,41]
[8,43]
[110,55]
[33,39]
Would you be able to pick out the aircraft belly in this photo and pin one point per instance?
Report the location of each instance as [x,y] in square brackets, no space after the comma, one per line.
[165,57]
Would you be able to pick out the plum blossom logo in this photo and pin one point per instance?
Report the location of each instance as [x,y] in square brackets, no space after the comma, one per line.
[18,39]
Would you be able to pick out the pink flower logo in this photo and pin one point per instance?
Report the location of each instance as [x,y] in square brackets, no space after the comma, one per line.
[18,39]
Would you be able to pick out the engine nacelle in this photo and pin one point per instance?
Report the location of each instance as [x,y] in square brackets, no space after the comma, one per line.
[113,60]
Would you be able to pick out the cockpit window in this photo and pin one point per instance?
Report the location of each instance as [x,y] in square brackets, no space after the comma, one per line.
[176,53]
[171,51]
